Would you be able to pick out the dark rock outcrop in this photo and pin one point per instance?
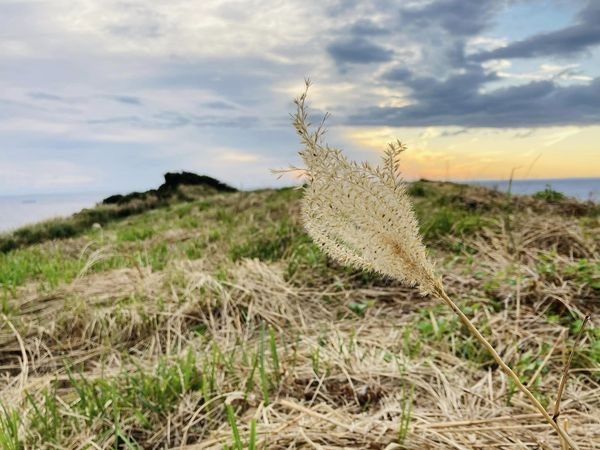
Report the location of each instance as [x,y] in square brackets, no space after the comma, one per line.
[173,180]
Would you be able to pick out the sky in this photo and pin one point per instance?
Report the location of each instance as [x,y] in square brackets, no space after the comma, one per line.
[107,95]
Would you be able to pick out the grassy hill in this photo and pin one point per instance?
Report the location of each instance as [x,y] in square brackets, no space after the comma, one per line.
[209,320]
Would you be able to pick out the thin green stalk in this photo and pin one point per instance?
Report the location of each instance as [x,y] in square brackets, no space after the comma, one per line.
[237,440]
[441,294]
[252,440]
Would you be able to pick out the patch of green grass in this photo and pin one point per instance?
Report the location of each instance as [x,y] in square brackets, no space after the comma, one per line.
[272,244]
[594,348]
[131,234]
[306,257]
[56,229]
[145,400]
[190,222]
[284,195]
[546,264]
[45,422]
[194,249]
[549,195]
[125,411]
[50,267]
[417,189]
[359,308]
[587,352]
[525,367]
[183,210]
[43,231]
[444,221]
[203,205]
[585,272]
[436,328]
[9,429]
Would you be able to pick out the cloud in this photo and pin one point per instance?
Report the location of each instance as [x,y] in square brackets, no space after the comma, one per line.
[357,50]
[456,17]
[361,34]
[565,42]
[127,99]
[459,101]
[237,156]
[217,104]
[443,30]
[366,27]
[173,119]
[397,74]
[560,135]
[545,72]
[47,96]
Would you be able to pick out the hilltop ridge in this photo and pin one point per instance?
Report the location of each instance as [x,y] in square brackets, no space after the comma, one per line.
[173,181]
[177,186]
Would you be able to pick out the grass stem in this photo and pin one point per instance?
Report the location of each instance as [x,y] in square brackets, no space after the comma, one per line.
[441,294]
[565,375]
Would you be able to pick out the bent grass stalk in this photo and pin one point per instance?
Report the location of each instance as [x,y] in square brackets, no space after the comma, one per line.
[362,216]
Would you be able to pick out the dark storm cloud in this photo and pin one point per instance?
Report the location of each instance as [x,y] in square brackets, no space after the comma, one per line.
[358,50]
[456,91]
[458,101]
[453,89]
[457,17]
[365,27]
[566,42]
[397,74]
[341,7]
[443,28]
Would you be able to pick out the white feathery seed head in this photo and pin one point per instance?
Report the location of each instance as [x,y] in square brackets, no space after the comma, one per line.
[359,214]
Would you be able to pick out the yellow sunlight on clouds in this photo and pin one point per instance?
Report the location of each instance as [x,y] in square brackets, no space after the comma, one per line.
[489,153]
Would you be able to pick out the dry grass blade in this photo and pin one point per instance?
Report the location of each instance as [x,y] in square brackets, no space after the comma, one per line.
[565,375]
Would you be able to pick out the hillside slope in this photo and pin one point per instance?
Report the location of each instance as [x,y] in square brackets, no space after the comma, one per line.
[211,321]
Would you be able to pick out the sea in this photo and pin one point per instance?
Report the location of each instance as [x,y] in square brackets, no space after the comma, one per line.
[19,210]
[580,188]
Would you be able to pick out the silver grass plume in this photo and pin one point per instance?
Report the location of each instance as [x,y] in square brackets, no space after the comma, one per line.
[361,216]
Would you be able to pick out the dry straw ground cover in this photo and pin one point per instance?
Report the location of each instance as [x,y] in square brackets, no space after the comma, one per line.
[216,323]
